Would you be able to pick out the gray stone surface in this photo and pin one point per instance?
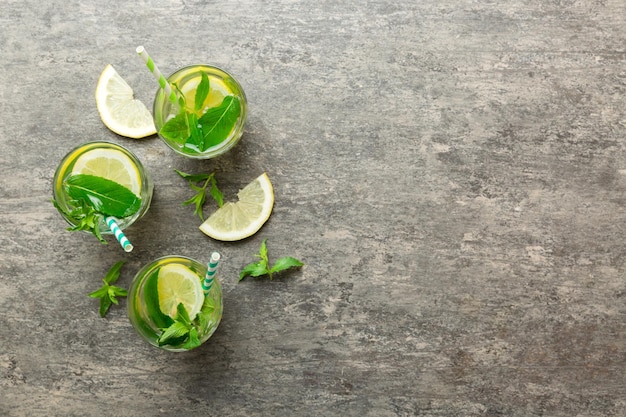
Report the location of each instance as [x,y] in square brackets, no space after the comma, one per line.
[453,173]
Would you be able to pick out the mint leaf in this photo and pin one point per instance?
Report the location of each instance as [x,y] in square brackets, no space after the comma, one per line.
[105,303]
[105,196]
[218,121]
[193,341]
[285,263]
[114,273]
[193,177]
[200,197]
[176,129]
[181,314]
[202,91]
[254,269]
[216,193]
[176,330]
[108,293]
[195,141]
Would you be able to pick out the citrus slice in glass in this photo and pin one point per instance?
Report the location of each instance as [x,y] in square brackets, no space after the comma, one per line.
[110,164]
[236,221]
[118,108]
[178,284]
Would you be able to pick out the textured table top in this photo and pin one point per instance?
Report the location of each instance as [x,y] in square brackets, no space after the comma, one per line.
[452,172]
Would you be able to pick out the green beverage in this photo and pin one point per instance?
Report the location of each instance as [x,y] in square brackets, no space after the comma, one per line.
[98,181]
[168,307]
[208,116]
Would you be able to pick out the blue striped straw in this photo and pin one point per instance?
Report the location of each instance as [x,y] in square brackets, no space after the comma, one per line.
[119,235]
[210,272]
[167,89]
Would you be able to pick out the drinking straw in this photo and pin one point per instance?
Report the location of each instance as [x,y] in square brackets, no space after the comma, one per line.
[119,235]
[167,89]
[210,272]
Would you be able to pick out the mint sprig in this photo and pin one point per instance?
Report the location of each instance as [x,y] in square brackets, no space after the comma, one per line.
[262,267]
[108,293]
[200,197]
[185,332]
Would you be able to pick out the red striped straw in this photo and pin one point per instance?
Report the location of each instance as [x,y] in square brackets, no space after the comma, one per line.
[167,89]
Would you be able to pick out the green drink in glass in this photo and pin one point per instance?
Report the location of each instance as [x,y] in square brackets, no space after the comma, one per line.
[99,182]
[169,307]
[205,115]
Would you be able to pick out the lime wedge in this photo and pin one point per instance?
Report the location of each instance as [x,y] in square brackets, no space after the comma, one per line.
[236,221]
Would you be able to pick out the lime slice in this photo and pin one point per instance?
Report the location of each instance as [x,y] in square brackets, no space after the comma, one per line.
[118,108]
[110,164]
[236,221]
[179,284]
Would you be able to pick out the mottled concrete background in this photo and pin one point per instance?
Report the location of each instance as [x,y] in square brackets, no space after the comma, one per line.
[453,173]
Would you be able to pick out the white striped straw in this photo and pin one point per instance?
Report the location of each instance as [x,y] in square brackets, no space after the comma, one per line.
[119,235]
[210,272]
[167,89]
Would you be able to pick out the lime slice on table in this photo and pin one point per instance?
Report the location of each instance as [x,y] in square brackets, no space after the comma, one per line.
[110,164]
[236,221]
[118,108]
[178,284]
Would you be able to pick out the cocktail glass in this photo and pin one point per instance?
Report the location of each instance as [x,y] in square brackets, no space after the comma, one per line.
[64,202]
[219,119]
[144,306]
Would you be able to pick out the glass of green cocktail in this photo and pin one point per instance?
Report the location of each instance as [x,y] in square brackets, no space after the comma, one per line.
[206,114]
[101,187]
[169,305]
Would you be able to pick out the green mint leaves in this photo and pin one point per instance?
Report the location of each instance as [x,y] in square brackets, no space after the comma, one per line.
[183,331]
[197,134]
[86,216]
[92,198]
[202,92]
[200,197]
[105,196]
[262,267]
[108,293]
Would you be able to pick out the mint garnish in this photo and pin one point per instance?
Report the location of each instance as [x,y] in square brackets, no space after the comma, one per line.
[183,331]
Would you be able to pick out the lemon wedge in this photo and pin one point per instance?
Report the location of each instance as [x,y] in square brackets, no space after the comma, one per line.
[178,284]
[236,221]
[118,108]
[110,164]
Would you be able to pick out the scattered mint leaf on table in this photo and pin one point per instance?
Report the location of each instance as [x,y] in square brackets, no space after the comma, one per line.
[108,293]
[262,267]
[200,197]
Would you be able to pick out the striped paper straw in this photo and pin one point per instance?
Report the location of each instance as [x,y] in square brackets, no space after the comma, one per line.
[167,89]
[119,235]
[210,272]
